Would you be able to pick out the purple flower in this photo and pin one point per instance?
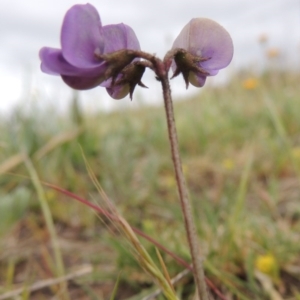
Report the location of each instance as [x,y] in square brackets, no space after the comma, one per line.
[204,47]
[90,53]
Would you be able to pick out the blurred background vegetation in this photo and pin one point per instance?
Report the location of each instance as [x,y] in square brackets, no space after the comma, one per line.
[240,146]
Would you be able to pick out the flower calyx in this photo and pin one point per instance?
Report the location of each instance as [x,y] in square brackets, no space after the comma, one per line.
[131,76]
[186,62]
[116,62]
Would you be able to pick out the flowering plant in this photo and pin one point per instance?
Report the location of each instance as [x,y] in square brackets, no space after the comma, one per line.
[109,56]
[90,53]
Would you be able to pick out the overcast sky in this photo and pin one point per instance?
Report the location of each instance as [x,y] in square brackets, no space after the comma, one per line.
[26,26]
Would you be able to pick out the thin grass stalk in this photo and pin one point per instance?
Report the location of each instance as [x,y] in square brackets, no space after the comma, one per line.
[114,292]
[239,204]
[146,261]
[59,270]
[139,251]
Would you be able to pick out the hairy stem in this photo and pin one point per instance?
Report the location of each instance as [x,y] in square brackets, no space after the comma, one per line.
[183,193]
[161,69]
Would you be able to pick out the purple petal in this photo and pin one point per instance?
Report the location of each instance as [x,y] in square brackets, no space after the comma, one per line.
[80,36]
[107,83]
[197,80]
[118,91]
[212,72]
[54,63]
[206,38]
[82,83]
[119,36]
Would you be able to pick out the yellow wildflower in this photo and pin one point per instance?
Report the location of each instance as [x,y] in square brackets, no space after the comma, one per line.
[263,38]
[148,225]
[185,169]
[51,195]
[228,164]
[250,84]
[273,52]
[267,264]
[296,153]
[169,181]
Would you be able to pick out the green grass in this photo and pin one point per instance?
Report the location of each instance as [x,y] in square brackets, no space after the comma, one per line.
[241,156]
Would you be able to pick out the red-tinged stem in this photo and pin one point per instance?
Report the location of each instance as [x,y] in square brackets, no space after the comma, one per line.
[115,218]
[136,230]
